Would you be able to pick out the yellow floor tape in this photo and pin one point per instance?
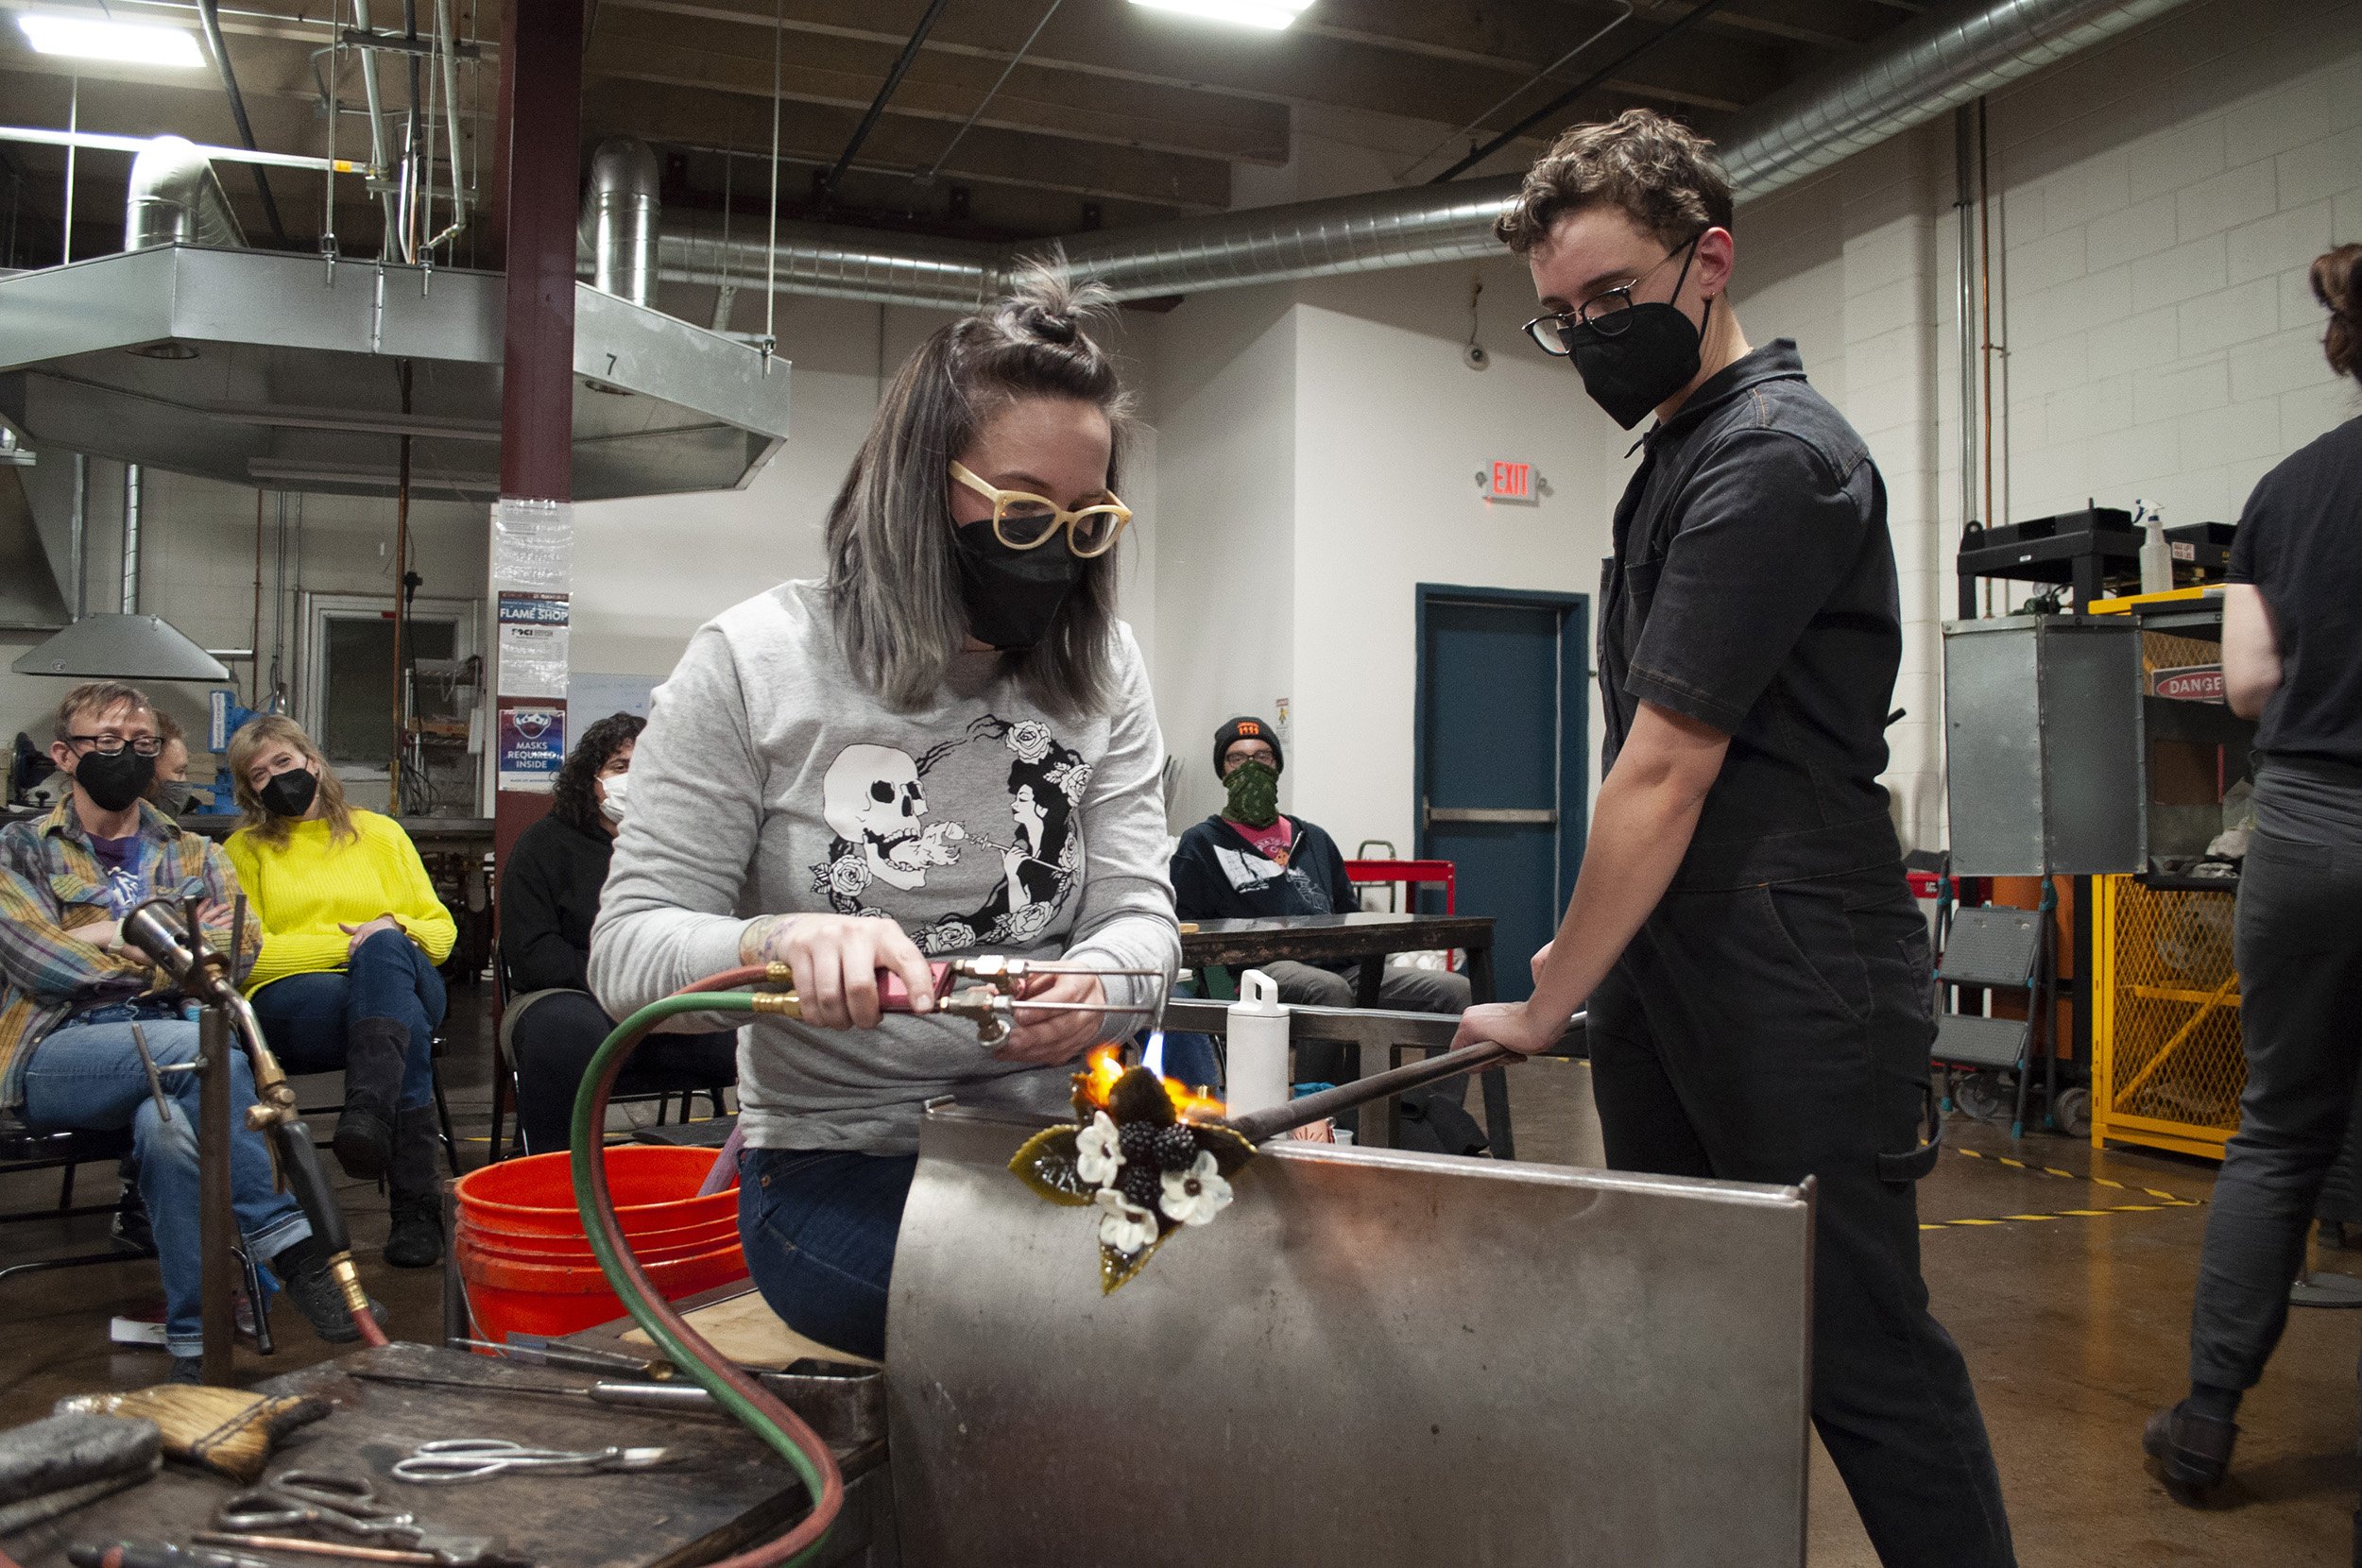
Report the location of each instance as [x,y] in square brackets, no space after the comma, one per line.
[2166,1200]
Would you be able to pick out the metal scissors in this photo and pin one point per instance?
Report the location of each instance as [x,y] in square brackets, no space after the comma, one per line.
[449,1460]
[296,1499]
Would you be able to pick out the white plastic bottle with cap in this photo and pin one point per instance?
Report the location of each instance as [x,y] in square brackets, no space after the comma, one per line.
[1258,1025]
[2156,551]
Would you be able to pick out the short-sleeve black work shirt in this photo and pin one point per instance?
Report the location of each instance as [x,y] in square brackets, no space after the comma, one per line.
[1753,589]
[2300,542]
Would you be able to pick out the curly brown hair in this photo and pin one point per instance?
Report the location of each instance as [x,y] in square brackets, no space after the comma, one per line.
[2337,283]
[1658,172]
[574,796]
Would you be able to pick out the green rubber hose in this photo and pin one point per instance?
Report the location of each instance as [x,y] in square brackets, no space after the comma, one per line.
[753,1405]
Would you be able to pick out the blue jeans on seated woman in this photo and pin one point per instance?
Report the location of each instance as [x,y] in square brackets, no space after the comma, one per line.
[88,1078]
[819,1227]
[306,1017]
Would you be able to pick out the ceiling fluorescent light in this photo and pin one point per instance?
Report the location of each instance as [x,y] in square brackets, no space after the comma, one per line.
[1270,14]
[125,43]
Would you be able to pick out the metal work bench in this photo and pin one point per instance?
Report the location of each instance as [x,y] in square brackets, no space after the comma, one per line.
[726,1490]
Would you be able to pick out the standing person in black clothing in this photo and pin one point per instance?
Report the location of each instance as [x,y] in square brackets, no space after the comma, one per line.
[2292,656]
[1756,970]
[549,897]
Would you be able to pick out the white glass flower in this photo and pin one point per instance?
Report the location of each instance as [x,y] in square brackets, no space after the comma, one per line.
[1098,1151]
[1194,1196]
[1125,1226]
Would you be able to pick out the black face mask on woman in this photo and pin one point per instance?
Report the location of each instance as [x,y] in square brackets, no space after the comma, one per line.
[290,794]
[1651,354]
[1012,596]
[115,782]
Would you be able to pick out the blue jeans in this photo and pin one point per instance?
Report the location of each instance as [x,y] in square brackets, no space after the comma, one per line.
[89,1078]
[305,1016]
[819,1229]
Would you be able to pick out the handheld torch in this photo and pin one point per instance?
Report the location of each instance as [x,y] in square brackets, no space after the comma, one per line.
[174,941]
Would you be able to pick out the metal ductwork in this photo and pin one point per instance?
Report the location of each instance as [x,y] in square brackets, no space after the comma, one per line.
[175,198]
[1921,70]
[618,219]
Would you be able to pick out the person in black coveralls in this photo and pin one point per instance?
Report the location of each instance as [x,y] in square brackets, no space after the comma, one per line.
[1755,971]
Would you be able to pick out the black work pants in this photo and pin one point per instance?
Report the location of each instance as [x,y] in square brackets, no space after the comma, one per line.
[2298,943]
[1777,1032]
[553,1042]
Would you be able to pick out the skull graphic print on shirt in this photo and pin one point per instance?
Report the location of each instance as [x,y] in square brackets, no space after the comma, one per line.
[888,837]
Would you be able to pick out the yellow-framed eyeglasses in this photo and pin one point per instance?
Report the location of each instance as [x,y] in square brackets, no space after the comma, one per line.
[1023,521]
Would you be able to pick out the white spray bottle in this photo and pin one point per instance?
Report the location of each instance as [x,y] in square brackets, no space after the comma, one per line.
[1258,1025]
[2156,553]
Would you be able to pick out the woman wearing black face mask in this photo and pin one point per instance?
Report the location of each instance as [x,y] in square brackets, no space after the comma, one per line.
[947,747]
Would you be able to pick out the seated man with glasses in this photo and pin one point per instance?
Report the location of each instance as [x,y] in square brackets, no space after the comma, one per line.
[1251,860]
[72,994]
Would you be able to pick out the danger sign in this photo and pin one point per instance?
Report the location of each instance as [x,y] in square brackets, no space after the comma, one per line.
[2189,683]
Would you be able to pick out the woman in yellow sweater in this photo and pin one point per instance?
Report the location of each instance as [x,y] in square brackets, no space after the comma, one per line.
[352,933]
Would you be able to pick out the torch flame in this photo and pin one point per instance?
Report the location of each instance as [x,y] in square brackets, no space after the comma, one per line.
[1105,1065]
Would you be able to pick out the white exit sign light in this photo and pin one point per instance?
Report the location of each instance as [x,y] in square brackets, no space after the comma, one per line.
[1507,481]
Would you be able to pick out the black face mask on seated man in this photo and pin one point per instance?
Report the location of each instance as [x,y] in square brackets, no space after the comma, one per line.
[115,782]
[1012,596]
[290,794]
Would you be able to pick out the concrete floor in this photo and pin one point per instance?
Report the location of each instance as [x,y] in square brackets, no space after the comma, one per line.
[2076,1328]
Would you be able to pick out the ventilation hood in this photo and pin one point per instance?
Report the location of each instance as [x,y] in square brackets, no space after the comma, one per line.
[280,372]
[121,647]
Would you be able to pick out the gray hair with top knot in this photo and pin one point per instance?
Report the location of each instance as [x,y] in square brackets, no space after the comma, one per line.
[893,568]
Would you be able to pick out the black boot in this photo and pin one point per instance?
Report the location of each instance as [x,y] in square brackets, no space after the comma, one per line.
[416,1241]
[302,1269]
[374,1049]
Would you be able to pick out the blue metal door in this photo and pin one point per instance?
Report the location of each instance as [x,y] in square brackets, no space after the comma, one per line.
[1502,722]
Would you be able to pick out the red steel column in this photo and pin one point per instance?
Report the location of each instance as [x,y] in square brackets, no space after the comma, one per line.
[541,131]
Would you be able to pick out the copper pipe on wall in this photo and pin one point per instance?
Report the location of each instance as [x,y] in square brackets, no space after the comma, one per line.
[402,573]
[254,670]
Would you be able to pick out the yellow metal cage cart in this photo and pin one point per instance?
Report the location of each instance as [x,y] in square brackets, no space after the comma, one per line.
[2168,1057]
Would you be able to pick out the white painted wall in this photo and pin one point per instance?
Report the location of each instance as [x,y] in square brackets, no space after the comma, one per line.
[196,560]
[2156,203]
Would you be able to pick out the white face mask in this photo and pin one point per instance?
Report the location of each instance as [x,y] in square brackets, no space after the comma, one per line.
[614,788]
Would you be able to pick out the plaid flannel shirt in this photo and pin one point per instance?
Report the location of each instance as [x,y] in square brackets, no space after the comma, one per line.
[51,884]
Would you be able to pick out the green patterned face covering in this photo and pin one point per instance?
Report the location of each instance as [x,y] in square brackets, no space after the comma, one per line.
[1254,795]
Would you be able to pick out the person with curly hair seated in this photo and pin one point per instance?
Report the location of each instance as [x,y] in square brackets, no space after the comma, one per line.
[549,898]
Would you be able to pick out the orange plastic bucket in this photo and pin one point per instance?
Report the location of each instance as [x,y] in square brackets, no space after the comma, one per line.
[654,1186]
[556,1255]
[698,1237]
[506,1295]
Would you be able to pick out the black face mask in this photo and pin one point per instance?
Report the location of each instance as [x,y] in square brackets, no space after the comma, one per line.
[1012,596]
[290,794]
[1652,354]
[115,782]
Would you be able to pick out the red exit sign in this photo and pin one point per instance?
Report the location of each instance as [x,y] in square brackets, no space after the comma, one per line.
[1512,480]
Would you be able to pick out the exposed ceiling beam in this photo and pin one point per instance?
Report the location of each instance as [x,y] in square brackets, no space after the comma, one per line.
[942,89]
[1127,44]
[693,112]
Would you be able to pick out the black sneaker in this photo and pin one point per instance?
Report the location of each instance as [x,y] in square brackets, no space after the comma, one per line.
[129,1227]
[2193,1452]
[186,1369]
[302,1269]
[416,1241]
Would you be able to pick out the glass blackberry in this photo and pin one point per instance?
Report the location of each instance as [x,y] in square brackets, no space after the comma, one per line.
[1142,1184]
[1138,1139]
[1176,1147]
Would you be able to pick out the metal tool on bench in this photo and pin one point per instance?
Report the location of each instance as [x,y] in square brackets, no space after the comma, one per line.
[457,1551]
[992,1003]
[450,1462]
[533,1352]
[173,938]
[312,1499]
[158,1554]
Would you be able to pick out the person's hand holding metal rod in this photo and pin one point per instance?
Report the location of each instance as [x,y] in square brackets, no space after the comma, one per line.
[836,960]
[1648,806]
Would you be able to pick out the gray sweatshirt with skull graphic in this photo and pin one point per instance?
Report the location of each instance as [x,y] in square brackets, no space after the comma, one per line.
[769,780]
